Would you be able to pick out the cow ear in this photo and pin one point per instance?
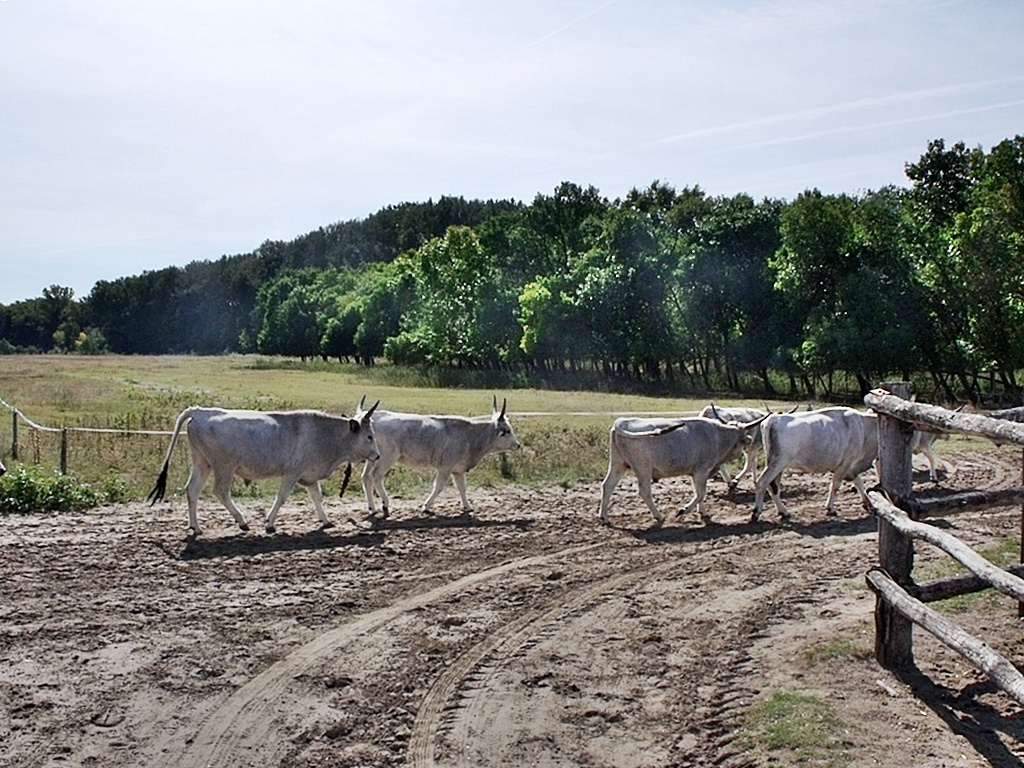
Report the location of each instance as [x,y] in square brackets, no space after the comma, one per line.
[354,425]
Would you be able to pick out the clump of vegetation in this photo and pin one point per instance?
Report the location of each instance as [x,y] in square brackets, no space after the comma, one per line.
[807,727]
[28,489]
[838,648]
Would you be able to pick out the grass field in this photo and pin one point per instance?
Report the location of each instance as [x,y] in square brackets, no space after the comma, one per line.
[564,433]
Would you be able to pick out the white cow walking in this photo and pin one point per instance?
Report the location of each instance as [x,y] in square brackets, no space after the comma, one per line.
[450,445]
[657,448]
[301,447]
[842,441]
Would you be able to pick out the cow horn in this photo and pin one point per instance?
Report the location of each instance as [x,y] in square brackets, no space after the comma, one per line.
[717,414]
[362,400]
[373,408]
[755,423]
[504,402]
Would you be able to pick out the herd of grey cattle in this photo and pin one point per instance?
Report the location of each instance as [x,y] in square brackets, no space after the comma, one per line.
[304,447]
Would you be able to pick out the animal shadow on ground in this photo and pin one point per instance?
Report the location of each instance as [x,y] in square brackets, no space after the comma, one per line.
[435,522]
[247,545]
[710,530]
[964,715]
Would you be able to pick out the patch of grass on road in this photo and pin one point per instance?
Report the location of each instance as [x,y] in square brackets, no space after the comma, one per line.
[793,727]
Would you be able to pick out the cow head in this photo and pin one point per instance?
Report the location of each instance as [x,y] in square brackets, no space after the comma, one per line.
[362,427]
[504,438]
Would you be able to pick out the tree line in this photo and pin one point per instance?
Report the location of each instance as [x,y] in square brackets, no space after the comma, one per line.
[663,285]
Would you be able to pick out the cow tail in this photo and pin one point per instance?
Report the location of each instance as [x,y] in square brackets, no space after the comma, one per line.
[344,480]
[157,494]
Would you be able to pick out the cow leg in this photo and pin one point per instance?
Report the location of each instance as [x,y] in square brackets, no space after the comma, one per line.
[287,483]
[316,494]
[460,483]
[196,480]
[645,493]
[440,480]
[373,482]
[611,479]
[767,481]
[830,505]
[749,468]
[369,482]
[222,490]
[933,464]
[859,485]
[700,492]
[727,478]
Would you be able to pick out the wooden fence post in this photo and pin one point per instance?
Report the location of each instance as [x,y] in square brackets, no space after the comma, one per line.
[893,631]
[64,450]
[14,435]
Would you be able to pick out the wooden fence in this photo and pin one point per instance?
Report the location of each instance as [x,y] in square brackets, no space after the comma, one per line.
[900,603]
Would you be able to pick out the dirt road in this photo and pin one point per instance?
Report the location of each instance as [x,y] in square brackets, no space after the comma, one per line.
[525,635]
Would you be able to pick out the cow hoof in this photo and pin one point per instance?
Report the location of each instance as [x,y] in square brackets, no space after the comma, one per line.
[271,529]
[244,527]
[326,524]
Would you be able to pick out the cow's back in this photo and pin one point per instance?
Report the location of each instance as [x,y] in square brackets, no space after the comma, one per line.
[417,440]
[825,440]
[262,444]
[699,444]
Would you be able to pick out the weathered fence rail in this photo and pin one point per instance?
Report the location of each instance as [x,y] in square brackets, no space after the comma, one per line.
[900,603]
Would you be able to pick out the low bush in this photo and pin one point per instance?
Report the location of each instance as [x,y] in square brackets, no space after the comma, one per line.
[29,489]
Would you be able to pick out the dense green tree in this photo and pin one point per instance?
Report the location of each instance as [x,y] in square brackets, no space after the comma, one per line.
[461,313]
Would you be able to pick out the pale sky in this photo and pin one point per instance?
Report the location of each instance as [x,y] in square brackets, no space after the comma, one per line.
[140,135]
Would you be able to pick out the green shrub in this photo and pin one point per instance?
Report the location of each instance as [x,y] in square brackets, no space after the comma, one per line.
[27,489]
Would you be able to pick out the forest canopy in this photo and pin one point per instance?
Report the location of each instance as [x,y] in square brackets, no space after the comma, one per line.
[665,285]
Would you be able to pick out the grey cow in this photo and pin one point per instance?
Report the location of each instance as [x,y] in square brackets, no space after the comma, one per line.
[450,445]
[657,448]
[301,447]
[840,441]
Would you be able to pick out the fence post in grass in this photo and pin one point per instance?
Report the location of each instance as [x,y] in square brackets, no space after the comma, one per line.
[14,435]
[893,631]
[64,450]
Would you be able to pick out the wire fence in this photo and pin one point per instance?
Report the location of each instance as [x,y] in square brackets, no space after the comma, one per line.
[130,451]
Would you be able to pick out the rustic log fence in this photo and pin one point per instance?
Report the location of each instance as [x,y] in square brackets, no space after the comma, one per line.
[900,602]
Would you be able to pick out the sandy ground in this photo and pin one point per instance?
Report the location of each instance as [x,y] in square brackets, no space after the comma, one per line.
[525,635]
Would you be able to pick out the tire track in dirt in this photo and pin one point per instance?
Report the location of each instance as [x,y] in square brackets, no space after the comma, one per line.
[238,732]
[461,701]
[502,643]
[727,696]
